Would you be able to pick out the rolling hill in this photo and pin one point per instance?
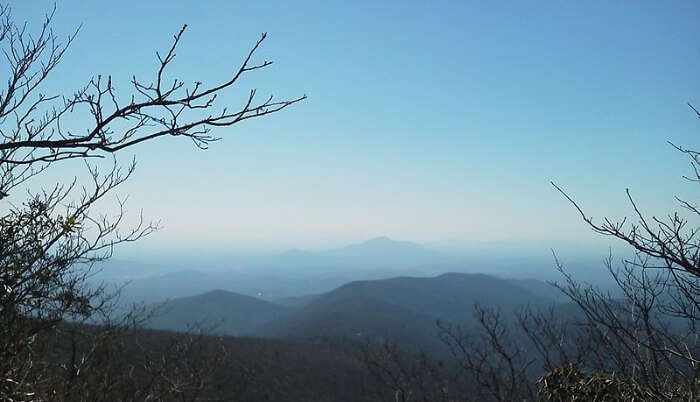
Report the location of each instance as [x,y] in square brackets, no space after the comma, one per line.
[224,312]
[404,309]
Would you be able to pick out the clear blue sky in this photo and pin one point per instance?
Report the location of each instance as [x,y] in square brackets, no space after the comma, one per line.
[434,122]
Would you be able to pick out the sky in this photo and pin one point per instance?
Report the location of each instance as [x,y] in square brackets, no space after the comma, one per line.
[437,122]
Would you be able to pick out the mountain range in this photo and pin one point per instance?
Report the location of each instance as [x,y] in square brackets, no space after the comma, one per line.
[296,273]
[405,309]
[291,273]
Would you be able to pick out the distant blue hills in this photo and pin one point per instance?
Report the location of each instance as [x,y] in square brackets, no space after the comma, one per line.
[296,272]
[401,308]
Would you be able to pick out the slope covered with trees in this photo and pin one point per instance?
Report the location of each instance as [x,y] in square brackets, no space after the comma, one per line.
[217,311]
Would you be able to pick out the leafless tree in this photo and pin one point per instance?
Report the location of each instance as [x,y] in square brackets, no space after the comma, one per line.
[484,362]
[646,333]
[50,241]
[491,356]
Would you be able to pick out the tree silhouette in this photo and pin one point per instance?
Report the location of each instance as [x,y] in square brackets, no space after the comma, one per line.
[50,241]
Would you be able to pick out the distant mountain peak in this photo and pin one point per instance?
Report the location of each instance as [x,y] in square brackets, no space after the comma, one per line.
[382,251]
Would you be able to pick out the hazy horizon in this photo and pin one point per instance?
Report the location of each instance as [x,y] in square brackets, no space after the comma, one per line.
[451,246]
[438,123]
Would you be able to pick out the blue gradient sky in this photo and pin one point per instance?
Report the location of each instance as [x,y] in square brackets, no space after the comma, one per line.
[437,122]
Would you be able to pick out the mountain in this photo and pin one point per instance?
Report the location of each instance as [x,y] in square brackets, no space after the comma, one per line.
[225,312]
[384,252]
[402,308]
[448,296]
[380,252]
[356,320]
[297,272]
